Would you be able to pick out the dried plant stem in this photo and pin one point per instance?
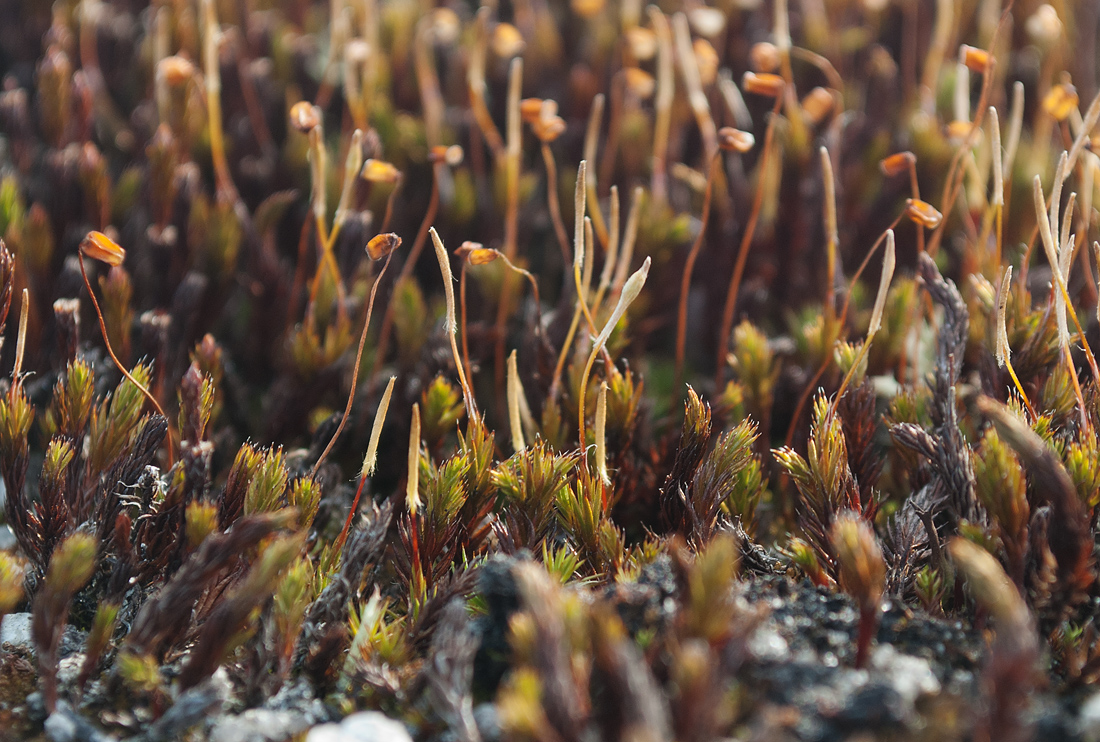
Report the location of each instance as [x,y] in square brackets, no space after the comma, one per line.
[513,164]
[888,263]
[475,80]
[831,239]
[746,243]
[610,255]
[666,89]
[212,75]
[390,200]
[836,82]
[1020,390]
[828,360]
[20,344]
[554,204]
[354,368]
[685,279]
[1059,281]
[953,182]
[631,289]
[107,342]
[591,140]
[408,266]
[514,393]
[462,320]
[369,460]
[452,326]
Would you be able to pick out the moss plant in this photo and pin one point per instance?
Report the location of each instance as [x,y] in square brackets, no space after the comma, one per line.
[530,508]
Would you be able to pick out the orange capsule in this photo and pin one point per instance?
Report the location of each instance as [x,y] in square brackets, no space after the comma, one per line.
[382,245]
[923,213]
[175,70]
[450,155]
[529,109]
[304,116]
[735,140]
[977,60]
[99,246]
[897,163]
[707,22]
[957,131]
[817,104]
[707,60]
[642,43]
[764,57]
[1043,26]
[1061,101]
[445,25]
[475,253]
[507,41]
[547,129]
[379,171]
[587,8]
[763,84]
[639,82]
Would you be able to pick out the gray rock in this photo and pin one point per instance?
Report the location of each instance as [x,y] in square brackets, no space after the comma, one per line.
[488,722]
[1089,720]
[910,677]
[69,668]
[7,538]
[15,630]
[259,725]
[766,645]
[366,726]
[65,725]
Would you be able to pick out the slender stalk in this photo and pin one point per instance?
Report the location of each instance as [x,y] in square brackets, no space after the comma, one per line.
[355,368]
[1048,243]
[746,243]
[452,326]
[20,344]
[369,460]
[689,267]
[953,182]
[828,360]
[631,289]
[610,255]
[666,90]
[591,140]
[408,266]
[462,320]
[513,165]
[553,203]
[212,75]
[697,99]
[107,342]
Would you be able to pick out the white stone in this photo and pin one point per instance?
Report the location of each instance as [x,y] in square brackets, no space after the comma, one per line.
[910,676]
[1089,720]
[366,726]
[766,645]
[259,725]
[15,629]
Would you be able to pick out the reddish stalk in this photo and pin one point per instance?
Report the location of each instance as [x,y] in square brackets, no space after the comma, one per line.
[107,342]
[746,242]
[462,311]
[554,204]
[354,370]
[689,267]
[407,267]
[808,390]
[955,173]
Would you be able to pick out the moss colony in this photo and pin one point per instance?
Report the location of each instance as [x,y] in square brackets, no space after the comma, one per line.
[549,371]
